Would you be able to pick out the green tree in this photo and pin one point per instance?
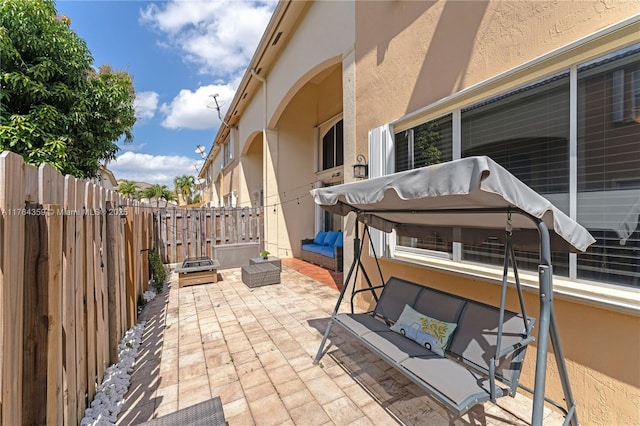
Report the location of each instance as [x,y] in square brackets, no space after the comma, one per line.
[426,152]
[184,186]
[128,188]
[157,192]
[54,106]
[169,195]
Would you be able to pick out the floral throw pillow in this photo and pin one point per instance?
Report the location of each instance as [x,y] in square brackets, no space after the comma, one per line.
[429,332]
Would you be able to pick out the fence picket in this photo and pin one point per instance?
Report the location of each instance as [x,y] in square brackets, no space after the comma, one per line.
[89,289]
[53,280]
[12,191]
[69,389]
[102,327]
[34,346]
[80,309]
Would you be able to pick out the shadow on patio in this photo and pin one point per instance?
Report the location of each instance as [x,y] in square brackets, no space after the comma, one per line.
[254,349]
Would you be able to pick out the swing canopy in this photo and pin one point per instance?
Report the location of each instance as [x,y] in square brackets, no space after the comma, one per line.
[446,198]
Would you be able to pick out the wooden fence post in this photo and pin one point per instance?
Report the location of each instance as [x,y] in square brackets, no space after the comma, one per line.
[82,380]
[131,273]
[42,380]
[54,235]
[34,346]
[89,289]
[113,276]
[69,302]
[12,196]
[100,293]
[122,259]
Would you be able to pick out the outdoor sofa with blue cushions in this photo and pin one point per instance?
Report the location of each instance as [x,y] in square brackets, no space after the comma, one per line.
[324,250]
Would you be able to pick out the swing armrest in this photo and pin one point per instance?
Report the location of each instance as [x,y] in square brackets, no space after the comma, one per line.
[508,349]
[368,289]
[353,295]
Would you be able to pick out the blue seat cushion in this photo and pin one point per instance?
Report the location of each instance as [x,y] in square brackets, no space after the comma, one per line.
[326,251]
[339,241]
[319,239]
[330,238]
[318,249]
[313,248]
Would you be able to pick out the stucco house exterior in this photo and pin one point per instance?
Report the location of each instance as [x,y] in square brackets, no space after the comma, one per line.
[548,89]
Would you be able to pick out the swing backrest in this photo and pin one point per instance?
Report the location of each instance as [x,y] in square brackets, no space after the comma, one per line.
[474,340]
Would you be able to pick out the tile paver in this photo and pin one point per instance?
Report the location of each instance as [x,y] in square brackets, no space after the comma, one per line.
[254,348]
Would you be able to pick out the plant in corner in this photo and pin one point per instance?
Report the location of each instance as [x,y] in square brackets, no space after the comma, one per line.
[265,254]
[157,269]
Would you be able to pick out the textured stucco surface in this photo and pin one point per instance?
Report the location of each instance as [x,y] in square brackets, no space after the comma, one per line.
[413,54]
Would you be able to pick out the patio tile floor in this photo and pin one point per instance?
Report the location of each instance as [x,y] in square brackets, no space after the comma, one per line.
[254,348]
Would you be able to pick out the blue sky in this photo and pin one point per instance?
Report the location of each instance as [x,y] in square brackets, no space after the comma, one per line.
[179,52]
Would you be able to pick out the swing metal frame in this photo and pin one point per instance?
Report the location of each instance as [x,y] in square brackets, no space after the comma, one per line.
[547,325]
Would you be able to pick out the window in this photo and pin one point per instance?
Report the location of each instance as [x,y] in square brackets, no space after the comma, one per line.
[227,153]
[608,198]
[527,132]
[635,96]
[229,199]
[426,144]
[333,147]
[532,132]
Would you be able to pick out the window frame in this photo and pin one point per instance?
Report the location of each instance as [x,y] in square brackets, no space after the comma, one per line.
[322,131]
[227,152]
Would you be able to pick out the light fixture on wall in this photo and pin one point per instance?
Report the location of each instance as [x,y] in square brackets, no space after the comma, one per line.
[361,168]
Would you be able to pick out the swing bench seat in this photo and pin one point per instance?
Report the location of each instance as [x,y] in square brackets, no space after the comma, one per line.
[466,375]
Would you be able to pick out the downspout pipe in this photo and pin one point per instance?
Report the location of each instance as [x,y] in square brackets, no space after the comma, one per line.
[264,97]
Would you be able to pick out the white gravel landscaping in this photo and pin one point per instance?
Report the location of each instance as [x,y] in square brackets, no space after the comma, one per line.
[109,398]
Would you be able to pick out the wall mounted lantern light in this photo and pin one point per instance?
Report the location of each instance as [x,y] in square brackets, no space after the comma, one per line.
[361,168]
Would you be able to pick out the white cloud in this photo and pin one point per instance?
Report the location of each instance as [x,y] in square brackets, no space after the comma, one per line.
[219,36]
[193,110]
[161,169]
[133,147]
[145,104]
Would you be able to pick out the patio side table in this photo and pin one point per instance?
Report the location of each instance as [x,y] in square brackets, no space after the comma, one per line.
[260,274]
[271,259]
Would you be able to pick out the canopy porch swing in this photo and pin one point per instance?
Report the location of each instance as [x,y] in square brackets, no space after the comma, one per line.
[466,200]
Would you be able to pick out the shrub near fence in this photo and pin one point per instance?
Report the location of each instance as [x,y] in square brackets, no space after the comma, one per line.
[73,262]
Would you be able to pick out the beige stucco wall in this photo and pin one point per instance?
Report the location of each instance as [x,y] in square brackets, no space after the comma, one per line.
[291,156]
[303,89]
[412,54]
[251,171]
[213,191]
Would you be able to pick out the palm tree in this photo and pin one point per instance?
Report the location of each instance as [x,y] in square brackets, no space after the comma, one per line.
[169,196]
[184,186]
[128,188]
[155,191]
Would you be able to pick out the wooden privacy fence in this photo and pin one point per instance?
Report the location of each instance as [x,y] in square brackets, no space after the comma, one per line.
[194,232]
[73,262]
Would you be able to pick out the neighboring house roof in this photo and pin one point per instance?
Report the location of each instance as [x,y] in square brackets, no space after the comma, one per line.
[108,176]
